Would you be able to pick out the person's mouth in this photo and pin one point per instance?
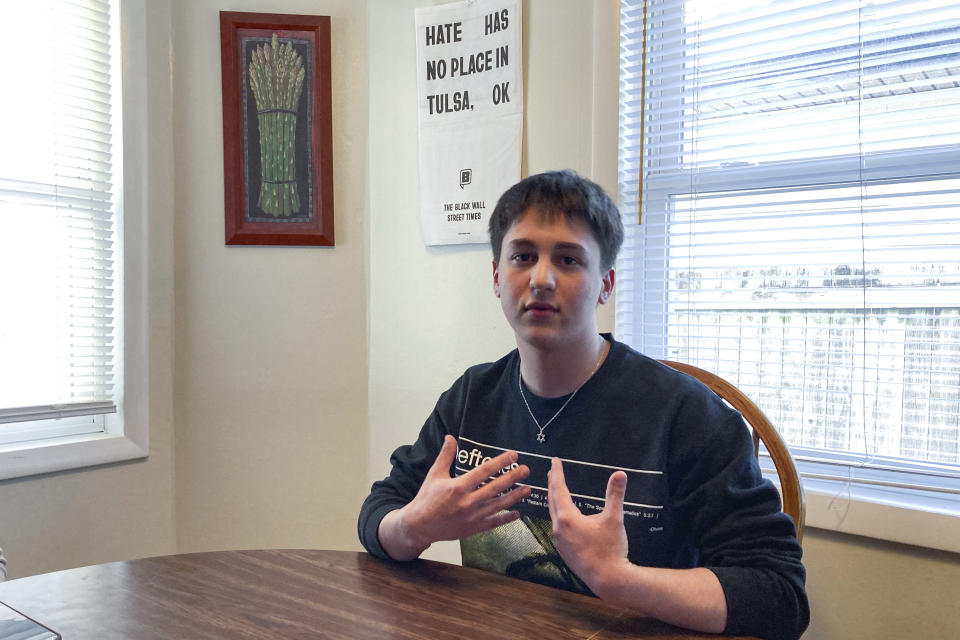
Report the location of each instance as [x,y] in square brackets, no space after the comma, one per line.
[540,309]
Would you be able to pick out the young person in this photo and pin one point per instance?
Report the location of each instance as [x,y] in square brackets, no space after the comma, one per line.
[576,462]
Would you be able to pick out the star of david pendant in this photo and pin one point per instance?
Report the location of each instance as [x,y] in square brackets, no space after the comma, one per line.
[541,437]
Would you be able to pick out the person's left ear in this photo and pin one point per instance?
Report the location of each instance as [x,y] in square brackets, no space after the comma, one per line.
[606,286]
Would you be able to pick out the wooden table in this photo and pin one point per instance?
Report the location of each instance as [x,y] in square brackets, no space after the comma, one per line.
[310,594]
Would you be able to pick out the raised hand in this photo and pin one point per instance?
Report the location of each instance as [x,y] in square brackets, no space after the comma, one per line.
[593,546]
[449,508]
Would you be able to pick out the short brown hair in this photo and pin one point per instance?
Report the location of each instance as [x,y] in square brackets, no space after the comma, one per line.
[560,193]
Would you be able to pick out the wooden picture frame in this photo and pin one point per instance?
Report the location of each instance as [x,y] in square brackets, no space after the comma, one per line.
[277,129]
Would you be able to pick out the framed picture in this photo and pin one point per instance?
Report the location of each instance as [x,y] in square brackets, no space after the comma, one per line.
[277,130]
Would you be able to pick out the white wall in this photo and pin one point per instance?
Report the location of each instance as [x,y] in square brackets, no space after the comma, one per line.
[865,589]
[119,511]
[271,358]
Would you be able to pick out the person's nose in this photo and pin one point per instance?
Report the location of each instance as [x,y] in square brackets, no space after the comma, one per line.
[542,276]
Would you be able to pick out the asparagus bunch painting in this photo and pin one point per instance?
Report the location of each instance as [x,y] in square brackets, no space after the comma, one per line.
[276,79]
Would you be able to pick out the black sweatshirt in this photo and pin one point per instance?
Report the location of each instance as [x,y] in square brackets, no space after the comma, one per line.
[695,496]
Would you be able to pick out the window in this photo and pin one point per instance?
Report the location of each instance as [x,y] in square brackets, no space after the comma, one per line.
[796,167]
[63,329]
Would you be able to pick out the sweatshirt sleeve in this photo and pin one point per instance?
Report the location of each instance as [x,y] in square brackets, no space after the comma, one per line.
[741,533]
[409,466]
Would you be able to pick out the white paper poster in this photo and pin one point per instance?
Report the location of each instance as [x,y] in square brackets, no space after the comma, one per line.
[470,96]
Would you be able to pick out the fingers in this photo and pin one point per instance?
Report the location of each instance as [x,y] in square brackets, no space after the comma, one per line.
[503,483]
[616,489]
[507,499]
[558,496]
[502,492]
[478,475]
[441,466]
[486,481]
[556,482]
[500,518]
[490,468]
[491,522]
[488,512]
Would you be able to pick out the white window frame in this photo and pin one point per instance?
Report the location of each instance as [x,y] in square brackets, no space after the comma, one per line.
[125,434]
[882,504]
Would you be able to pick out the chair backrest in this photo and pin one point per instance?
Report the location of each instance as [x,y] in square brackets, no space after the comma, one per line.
[790,488]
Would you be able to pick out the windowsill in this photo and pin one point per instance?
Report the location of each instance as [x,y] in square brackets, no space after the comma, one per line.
[926,520]
[70,452]
[882,514]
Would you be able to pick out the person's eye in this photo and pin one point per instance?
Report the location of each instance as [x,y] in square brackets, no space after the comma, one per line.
[569,261]
[522,257]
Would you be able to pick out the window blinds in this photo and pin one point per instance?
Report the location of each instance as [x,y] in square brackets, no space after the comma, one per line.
[58,212]
[796,165]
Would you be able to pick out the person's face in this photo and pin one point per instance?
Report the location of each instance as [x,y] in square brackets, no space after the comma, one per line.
[549,280]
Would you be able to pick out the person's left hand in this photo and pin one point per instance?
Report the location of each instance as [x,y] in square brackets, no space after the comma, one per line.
[593,546]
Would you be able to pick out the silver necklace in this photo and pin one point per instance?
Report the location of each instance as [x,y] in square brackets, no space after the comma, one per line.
[541,436]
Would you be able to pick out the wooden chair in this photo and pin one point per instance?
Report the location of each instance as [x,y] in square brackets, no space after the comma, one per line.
[790,488]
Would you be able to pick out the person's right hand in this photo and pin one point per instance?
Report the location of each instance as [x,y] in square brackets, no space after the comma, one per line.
[449,508]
